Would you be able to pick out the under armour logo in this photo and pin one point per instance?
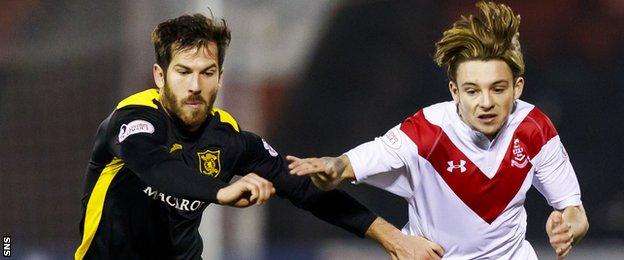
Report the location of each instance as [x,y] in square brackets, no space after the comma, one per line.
[461,166]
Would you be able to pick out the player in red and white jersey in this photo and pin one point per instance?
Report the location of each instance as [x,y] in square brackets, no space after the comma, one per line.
[464,166]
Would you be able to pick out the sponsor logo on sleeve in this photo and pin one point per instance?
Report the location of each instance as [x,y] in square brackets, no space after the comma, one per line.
[270,149]
[391,139]
[134,127]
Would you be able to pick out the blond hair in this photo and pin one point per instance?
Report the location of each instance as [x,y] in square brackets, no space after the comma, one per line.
[492,35]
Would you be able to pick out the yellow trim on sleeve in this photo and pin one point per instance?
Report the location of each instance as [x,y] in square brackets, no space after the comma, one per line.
[225,117]
[175,147]
[96,205]
[143,98]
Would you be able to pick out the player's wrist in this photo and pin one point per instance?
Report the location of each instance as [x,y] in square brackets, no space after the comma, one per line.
[340,164]
[384,233]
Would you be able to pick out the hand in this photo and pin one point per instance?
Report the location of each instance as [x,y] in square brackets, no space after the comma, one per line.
[401,246]
[415,247]
[325,172]
[560,234]
[246,191]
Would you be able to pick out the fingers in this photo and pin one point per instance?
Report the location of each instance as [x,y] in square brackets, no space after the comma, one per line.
[292,158]
[261,189]
[565,253]
[242,203]
[301,167]
[437,249]
[556,219]
[560,234]
[563,248]
[248,190]
[561,238]
[433,255]
[562,228]
[417,247]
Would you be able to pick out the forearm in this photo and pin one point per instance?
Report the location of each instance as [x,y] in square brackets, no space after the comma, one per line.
[169,175]
[384,233]
[576,217]
[175,178]
[338,208]
[335,206]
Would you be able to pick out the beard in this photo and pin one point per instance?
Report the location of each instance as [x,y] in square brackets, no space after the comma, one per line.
[191,118]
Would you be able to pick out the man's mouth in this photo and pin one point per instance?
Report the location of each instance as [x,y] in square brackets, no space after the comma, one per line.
[195,104]
[486,118]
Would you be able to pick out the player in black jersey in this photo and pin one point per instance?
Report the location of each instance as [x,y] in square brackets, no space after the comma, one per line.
[164,154]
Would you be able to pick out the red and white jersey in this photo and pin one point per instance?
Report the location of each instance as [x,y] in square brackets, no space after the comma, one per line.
[464,191]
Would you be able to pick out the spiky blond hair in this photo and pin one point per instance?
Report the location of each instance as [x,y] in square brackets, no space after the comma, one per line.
[491,35]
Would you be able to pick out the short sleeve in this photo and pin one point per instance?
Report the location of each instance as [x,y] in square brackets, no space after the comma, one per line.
[382,162]
[554,176]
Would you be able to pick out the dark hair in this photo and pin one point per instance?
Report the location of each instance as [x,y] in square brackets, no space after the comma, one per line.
[186,32]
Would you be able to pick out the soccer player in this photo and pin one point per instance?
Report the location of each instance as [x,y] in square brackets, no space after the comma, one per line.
[164,154]
[464,166]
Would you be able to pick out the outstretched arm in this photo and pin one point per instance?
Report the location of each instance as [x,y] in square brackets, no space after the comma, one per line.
[326,173]
[144,152]
[566,228]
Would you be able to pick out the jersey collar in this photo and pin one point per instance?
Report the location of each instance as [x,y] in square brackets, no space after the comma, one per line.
[476,137]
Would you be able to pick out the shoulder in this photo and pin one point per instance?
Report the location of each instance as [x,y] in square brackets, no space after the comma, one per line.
[138,113]
[146,98]
[438,113]
[142,105]
[534,125]
[427,120]
[423,128]
[225,118]
[534,120]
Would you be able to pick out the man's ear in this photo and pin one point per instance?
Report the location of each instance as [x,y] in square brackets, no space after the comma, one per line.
[518,87]
[159,76]
[454,89]
[220,79]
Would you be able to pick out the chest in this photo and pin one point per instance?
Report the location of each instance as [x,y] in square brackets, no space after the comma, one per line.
[486,180]
[213,154]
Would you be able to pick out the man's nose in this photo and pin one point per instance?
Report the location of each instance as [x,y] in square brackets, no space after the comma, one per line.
[194,86]
[486,101]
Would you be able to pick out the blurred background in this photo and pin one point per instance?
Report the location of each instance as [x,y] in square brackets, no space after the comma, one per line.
[314,78]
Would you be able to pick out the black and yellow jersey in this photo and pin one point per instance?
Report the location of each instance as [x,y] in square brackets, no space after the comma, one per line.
[149,180]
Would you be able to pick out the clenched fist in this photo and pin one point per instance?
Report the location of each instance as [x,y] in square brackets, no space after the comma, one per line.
[248,190]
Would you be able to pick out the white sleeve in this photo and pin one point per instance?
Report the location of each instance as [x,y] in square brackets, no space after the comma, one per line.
[554,176]
[381,163]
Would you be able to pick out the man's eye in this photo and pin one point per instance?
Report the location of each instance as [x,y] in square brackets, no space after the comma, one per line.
[183,72]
